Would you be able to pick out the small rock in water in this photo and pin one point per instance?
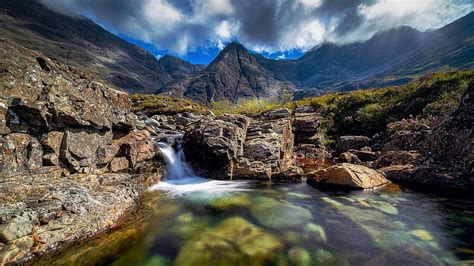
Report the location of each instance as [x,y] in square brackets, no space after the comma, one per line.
[299,256]
[316,231]
[324,257]
[279,214]
[422,234]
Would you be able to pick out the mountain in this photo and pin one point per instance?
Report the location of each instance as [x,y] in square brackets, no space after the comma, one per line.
[234,74]
[80,42]
[388,58]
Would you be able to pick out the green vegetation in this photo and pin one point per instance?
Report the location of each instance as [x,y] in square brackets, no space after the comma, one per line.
[369,111]
[158,104]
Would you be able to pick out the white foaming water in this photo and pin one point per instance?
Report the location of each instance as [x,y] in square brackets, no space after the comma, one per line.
[180,179]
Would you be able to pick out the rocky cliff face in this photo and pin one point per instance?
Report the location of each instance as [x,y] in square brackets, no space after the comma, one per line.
[233,75]
[62,134]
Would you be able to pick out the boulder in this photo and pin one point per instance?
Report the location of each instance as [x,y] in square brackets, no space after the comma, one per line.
[346,143]
[15,228]
[278,214]
[364,155]
[349,157]
[348,175]
[310,151]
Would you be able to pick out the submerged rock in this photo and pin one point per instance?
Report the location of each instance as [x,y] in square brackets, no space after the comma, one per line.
[233,242]
[348,175]
[299,256]
[279,214]
[237,201]
[316,232]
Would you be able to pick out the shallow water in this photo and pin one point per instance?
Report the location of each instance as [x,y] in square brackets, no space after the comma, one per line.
[240,223]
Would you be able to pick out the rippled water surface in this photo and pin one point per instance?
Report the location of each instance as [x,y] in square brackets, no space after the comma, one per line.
[240,223]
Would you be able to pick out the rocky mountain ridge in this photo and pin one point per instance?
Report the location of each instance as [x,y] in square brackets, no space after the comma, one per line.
[79,42]
[233,75]
[388,58]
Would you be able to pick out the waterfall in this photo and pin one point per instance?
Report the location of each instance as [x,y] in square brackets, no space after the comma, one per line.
[176,166]
[179,178]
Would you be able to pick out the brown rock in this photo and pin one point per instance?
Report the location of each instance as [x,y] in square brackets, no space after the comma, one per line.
[349,175]
[119,164]
[219,140]
[19,153]
[348,157]
[346,143]
[59,95]
[137,146]
[397,158]
[52,141]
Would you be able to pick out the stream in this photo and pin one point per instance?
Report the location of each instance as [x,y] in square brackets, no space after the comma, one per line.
[190,220]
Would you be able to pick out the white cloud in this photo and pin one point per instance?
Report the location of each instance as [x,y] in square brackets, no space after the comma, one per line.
[263,26]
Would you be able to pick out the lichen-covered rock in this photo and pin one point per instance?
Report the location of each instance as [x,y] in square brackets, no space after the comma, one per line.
[348,175]
[80,147]
[19,153]
[54,211]
[119,164]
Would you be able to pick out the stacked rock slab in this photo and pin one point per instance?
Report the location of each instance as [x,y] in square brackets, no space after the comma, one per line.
[268,148]
[310,151]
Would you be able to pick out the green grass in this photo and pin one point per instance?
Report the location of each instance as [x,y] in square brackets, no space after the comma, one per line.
[158,104]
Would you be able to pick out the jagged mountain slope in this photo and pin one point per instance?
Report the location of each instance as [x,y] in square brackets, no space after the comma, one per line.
[391,57]
[233,75]
[80,42]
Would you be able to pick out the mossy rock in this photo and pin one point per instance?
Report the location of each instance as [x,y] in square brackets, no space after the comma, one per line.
[157,261]
[324,257]
[235,241]
[299,256]
[316,232]
[236,201]
[279,214]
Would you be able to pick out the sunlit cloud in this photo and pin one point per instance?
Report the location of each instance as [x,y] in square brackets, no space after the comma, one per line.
[263,26]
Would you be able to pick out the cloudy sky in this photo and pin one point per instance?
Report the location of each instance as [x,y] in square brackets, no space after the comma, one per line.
[197,29]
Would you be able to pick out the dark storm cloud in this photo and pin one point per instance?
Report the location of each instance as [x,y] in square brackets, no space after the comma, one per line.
[264,25]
